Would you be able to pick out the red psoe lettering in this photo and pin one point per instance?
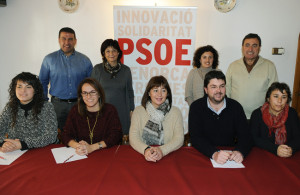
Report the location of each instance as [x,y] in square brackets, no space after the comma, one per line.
[180,52]
[130,47]
[142,50]
[157,51]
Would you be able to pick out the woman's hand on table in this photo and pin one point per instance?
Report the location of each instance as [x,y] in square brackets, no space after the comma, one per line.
[81,149]
[10,145]
[284,151]
[153,154]
[89,147]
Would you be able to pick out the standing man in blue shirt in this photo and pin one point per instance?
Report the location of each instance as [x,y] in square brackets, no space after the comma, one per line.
[64,70]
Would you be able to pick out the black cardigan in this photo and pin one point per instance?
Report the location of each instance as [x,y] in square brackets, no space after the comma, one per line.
[260,131]
[209,130]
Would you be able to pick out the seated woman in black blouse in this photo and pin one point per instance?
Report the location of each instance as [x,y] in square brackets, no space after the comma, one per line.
[275,126]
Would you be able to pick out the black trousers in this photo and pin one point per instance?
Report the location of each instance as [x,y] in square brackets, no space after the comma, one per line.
[62,110]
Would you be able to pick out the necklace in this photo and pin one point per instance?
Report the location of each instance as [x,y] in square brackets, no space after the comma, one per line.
[92,131]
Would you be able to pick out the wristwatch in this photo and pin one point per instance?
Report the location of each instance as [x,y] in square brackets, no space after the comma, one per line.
[100,146]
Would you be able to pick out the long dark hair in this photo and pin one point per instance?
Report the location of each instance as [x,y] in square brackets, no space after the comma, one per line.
[96,85]
[156,81]
[38,97]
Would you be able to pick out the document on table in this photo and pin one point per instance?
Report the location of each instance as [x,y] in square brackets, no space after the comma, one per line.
[65,155]
[228,164]
[9,157]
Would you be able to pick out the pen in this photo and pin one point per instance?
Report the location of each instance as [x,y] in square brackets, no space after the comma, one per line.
[68,158]
[1,157]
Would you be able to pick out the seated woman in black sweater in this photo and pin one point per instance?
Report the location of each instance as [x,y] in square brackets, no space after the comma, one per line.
[275,126]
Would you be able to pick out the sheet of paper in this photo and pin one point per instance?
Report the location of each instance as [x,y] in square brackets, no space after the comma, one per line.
[8,158]
[65,155]
[228,164]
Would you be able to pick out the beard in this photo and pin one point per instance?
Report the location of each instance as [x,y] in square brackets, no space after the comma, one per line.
[217,100]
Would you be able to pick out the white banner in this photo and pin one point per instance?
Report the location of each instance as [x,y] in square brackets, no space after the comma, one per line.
[157,41]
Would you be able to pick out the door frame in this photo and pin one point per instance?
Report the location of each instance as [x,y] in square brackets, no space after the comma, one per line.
[296,88]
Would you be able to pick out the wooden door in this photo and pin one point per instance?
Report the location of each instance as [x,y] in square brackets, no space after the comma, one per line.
[296,90]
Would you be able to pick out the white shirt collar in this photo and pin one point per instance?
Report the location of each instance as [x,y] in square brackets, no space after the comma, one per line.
[219,111]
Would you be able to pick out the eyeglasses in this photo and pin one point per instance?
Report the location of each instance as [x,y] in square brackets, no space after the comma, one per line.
[91,93]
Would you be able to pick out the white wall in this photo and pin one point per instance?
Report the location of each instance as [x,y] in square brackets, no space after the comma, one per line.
[29,31]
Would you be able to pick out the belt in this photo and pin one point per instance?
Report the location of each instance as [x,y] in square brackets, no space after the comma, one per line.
[65,100]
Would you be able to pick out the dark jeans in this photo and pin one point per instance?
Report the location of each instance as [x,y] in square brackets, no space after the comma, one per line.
[62,110]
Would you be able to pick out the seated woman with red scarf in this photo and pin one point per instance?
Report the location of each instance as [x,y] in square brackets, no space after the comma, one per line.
[275,126]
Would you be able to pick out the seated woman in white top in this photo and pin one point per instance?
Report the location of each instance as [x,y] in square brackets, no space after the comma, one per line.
[156,126]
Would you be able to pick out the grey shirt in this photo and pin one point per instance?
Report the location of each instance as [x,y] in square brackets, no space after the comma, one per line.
[118,91]
[194,84]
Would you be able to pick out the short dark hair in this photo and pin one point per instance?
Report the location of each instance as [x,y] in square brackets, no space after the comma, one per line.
[156,81]
[96,85]
[201,50]
[38,97]
[252,36]
[281,87]
[110,43]
[213,74]
[68,30]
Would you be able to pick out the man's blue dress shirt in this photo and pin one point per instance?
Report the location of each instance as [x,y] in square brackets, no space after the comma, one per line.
[64,73]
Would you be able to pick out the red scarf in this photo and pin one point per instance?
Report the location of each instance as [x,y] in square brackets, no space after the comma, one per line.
[276,124]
